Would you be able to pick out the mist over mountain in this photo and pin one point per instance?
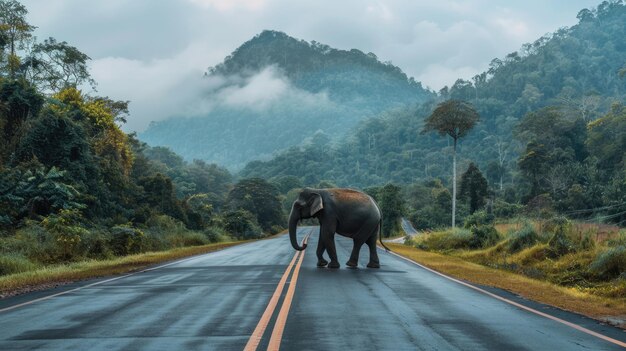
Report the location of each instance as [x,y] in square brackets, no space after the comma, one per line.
[578,71]
[275,91]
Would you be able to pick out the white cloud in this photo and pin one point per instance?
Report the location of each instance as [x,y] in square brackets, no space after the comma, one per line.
[513,27]
[259,90]
[157,88]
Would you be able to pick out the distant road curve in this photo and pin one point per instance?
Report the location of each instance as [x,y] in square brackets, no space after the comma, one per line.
[407,227]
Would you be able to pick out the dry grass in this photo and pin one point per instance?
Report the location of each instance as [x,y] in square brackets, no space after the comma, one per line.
[571,299]
[601,232]
[61,274]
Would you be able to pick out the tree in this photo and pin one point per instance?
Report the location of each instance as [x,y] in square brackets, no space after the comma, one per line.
[14,30]
[454,118]
[474,187]
[607,140]
[56,65]
[532,164]
[392,205]
[260,198]
[19,101]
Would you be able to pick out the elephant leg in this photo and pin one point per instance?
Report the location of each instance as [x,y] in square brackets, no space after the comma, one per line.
[371,242]
[321,262]
[354,256]
[364,233]
[327,236]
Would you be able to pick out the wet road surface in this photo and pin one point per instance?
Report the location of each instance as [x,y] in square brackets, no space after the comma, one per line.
[216,301]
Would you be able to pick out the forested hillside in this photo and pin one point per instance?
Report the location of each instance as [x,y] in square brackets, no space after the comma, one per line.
[74,186]
[275,91]
[570,82]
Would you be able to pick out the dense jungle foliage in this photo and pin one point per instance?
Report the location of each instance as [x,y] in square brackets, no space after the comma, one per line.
[318,89]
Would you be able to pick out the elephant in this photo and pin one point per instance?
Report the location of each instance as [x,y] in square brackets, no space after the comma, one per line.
[347,212]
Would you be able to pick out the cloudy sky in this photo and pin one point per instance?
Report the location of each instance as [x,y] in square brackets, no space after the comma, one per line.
[153,52]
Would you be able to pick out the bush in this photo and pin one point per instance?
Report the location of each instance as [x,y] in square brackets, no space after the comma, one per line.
[215,234]
[447,240]
[557,224]
[241,224]
[587,243]
[503,209]
[478,218]
[525,237]
[188,239]
[610,263]
[483,236]
[126,240]
[164,224]
[15,263]
[95,244]
[67,231]
[559,244]
[32,241]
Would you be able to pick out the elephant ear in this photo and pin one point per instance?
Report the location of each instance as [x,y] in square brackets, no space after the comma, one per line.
[317,204]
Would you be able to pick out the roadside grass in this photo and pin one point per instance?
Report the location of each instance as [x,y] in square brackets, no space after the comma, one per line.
[601,232]
[59,274]
[583,301]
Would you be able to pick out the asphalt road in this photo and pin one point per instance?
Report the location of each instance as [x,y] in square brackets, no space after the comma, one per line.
[216,301]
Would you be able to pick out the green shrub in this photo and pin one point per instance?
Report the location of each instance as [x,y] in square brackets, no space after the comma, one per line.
[67,231]
[241,224]
[557,224]
[164,224]
[95,244]
[587,243]
[34,242]
[503,209]
[610,263]
[126,240]
[188,239]
[478,218]
[483,236]
[15,263]
[215,234]
[559,243]
[450,239]
[525,237]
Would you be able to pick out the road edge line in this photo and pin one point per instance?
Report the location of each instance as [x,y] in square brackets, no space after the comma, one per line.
[281,320]
[518,305]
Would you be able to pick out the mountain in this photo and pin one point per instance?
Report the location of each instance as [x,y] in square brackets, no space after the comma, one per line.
[580,71]
[275,91]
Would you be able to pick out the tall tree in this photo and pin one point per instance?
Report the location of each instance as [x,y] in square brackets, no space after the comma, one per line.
[57,65]
[14,30]
[454,118]
[474,187]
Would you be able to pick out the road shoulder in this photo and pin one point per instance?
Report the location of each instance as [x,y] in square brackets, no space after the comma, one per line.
[63,277]
[542,295]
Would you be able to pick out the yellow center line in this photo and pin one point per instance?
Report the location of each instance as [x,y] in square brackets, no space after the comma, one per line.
[257,335]
[279,327]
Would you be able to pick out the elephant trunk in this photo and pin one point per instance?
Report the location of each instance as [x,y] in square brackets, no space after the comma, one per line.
[294,217]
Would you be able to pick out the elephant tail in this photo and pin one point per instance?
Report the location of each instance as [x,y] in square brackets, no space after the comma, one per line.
[380,229]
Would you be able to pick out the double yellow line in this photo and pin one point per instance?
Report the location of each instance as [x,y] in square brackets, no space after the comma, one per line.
[279,326]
